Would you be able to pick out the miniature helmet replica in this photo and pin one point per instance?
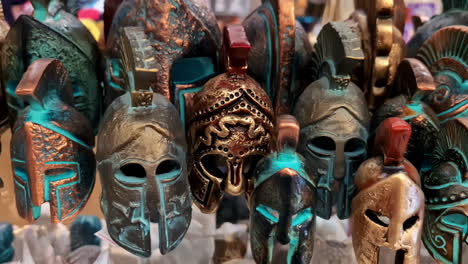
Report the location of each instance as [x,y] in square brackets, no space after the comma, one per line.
[381,25]
[388,210]
[176,29]
[280,56]
[230,128]
[445,57]
[451,16]
[282,203]
[52,146]
[53,33]
[412,83]
[334,119]
[446,188]
[141,157]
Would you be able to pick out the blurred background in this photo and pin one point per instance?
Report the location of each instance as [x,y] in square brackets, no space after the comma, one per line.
[312,14]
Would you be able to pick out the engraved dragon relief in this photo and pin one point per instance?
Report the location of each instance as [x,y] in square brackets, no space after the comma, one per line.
[223,131]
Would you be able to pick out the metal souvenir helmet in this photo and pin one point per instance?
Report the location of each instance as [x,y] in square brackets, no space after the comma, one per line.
[280,56]
[381,23]
[53,33]
[445,231]
[230,128]
[282,202]
[334,119]
[52,146]
[141,155]
[388,210]
[412,83]
[425,31]
[176,29]
[444,56]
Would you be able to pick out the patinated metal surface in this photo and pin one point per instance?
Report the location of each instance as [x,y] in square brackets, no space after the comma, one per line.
[382,23]
[282,203]
[278,51]
[445,231]
[142,157]
[424,124]
[337,52]
[334,119]
[52,146]
[187,78]
[53,33]
[451,4]
[278,45]
[137,64]
[448,18]
[445,57]
[230,128]
[175,29]
[413,83]
[412,79]
[388,210]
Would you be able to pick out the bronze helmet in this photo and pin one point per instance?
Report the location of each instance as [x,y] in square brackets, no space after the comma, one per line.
[231,124]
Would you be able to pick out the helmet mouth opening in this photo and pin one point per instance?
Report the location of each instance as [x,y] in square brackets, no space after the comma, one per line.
[400,256]
[154,217]
[42,213]
[155,242]
[387,255]
[280,250]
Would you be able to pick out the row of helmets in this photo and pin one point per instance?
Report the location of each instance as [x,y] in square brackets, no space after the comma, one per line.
[183,112]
